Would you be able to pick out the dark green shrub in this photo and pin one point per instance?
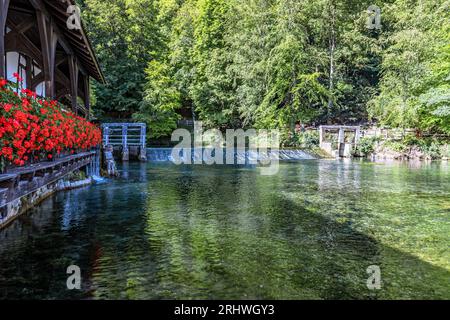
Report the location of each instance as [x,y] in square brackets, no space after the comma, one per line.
[433,150]
[365,146]
[309,139]
[412,140]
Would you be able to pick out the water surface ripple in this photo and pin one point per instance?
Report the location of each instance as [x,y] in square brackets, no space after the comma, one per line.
[202,232]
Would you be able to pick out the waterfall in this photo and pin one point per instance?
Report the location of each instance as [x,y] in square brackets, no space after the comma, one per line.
[295,154]
[93,169]
[165,155]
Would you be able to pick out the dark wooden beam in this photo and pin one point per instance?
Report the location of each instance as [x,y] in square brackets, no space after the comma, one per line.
[49,40]
[87,95]
[62,93]
[14,8]
[16,40]
[60,59]
[59,77]
[59,14]
[50,36]
[4,5]
[40,6]
[29,71]
[20,42]
[20,28]
[74,72]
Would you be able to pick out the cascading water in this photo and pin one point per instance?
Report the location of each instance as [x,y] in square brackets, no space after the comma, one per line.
[295,154]
[165,155]
[93,169]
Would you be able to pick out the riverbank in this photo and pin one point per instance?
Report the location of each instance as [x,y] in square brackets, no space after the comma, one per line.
[409,148]
[413,152]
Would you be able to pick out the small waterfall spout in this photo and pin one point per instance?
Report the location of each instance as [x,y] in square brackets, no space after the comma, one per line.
[93,169]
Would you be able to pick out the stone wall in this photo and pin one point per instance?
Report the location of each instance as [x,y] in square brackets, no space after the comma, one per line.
[18,206]
[23,188]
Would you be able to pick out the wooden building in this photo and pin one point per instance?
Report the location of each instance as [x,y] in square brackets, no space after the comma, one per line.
[54,60]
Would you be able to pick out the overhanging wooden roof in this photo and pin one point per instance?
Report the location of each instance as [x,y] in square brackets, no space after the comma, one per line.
[77,39]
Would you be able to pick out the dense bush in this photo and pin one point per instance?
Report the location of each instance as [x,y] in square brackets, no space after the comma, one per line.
[365,146]
[305,140]
[433,150]
[33,128]
[395,146]
[309,139]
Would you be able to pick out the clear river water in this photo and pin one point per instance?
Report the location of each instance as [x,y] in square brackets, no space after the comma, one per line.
[162,231]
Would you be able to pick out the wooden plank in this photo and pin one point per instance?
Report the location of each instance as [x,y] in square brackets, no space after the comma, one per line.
[26,187]
[6,177]
[48,164]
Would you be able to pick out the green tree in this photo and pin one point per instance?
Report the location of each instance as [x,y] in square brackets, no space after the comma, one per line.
[414,87]
[126,37]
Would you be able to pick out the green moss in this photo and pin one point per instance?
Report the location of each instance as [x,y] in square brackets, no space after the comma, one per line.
[76,176]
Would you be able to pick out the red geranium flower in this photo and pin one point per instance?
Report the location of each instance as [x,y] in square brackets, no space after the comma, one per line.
[7,107]
[33,129]
[17,76]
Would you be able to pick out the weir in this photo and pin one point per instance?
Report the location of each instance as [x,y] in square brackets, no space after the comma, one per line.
[334,141]
[127,138]
[165,155]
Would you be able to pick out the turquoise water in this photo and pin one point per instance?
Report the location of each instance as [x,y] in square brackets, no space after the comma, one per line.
[202,232]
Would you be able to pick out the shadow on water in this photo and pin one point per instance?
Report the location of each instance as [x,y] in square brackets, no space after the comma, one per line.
[216,233]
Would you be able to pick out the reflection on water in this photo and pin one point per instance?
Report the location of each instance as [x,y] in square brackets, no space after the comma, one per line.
[199,232]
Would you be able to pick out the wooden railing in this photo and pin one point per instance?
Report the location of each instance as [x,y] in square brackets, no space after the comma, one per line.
[20,182]
[126,135]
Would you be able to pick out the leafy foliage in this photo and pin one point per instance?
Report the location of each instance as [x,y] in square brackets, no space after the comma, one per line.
[273,63]
[125,34]
[365,146]
[415,82]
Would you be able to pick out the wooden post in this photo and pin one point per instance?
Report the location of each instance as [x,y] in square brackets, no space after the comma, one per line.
[143,136]
[125,152]
[29,71]
[341,142]
[49,41]
[106,134]
[143,151]
[74,72]
[87,95]
[4,5]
